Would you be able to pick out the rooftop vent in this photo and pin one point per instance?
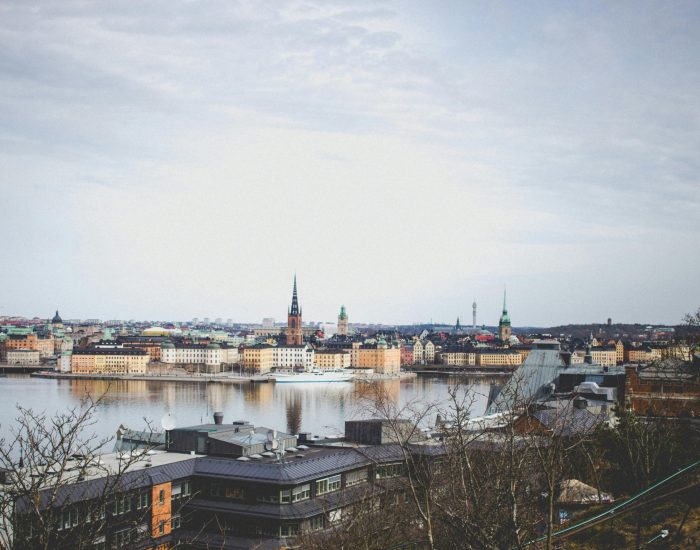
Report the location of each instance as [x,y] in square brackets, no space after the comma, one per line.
[218,418]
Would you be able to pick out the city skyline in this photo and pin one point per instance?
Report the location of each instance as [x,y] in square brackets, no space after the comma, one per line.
[167,161]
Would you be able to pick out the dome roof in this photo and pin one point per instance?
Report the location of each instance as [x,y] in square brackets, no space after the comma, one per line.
[57,318]
[505,318]
[213,346]
[167,345]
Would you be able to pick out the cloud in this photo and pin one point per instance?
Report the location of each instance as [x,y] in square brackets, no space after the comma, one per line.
[394,154]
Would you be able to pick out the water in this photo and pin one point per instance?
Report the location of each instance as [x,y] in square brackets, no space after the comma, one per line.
[317,408]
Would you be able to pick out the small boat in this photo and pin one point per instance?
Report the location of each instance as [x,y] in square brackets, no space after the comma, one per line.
[315,375]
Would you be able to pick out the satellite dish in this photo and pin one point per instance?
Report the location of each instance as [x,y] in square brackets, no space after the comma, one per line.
[168,422]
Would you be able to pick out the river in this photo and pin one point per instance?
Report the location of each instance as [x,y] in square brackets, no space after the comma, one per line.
[317,408]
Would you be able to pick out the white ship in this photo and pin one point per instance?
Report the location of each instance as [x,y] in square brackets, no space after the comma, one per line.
[315,375]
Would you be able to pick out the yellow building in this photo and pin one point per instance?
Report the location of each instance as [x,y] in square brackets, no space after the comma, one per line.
[109,361]
[332,359]
[619,352]
[45,347]
[380,357]
[258,359]
[458,358]
[605,355]
[498,358]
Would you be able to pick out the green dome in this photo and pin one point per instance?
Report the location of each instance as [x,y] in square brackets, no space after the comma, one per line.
[213,346]
[167,345]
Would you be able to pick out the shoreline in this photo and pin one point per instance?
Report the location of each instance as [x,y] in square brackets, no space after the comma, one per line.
[202,378]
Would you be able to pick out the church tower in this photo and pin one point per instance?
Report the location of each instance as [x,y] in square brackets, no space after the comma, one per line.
[504,329]
[343,322]
[295,336]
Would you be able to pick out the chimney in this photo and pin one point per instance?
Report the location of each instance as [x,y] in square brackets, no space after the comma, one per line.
[218,418]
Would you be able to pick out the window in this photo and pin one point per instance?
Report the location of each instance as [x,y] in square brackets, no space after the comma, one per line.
[356,477]
[175,522]
[315,523]
[161,527]
[69,518]
[301,493]
[289,530]
[389,470]
[142,501]
[327,485]
[161,496]
[122,505]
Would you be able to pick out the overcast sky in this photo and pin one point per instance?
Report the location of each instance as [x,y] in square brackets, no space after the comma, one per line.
[170,160]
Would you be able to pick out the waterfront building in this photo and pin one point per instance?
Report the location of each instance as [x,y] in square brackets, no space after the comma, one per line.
[423,352]
[45,346]
[23,341]
[293,356]
[343,322]
[505,330]
[257,359]
[498,358]
[332,359]
[108,361]
[457,356]
[418,356]
[380,357]
[294,328]
[210,355]
[406,355]
[23,357]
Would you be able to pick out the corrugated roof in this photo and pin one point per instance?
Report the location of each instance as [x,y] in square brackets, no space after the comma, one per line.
[292,470]
[529,381]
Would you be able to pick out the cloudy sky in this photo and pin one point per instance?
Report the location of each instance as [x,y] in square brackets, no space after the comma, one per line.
[178,159]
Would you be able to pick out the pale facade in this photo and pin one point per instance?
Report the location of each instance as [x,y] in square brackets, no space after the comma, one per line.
[383,359]
[198,354]
[45,346]
[418,356]
[458,358]
[109,361]
[23,357]
[332,359]
[606,357]
[289,357]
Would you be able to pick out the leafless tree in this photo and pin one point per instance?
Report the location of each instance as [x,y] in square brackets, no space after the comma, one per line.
[60,492]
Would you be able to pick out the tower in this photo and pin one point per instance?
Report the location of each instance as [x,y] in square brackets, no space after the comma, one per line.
[474,315]
[295,336]
[343,322]
[504,329]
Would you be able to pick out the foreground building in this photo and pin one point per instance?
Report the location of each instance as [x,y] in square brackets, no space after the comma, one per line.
[234,486]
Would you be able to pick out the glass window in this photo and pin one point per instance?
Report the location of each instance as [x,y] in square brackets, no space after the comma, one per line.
[161,527]
[353,478]
[389,470]
[142,501]
[300,493]
[328,485]
[175,522]
[161,496]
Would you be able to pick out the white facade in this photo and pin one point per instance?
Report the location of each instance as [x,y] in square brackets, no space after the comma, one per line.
[294,356]
[23,357]
[64,361]
[199,355]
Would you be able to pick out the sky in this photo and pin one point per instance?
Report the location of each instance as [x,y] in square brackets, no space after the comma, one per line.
[170,159]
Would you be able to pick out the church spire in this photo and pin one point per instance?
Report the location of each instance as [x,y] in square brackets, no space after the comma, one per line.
[294,310]
[505,309]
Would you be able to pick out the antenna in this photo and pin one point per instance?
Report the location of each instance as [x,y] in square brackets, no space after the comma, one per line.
[168,422]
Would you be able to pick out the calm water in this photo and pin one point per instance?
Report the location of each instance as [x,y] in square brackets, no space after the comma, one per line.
[317,408]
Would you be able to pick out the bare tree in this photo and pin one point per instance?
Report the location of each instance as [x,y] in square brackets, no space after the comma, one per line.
[59,492]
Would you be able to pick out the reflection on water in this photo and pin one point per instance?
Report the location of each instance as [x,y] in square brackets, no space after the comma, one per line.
[317,408]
